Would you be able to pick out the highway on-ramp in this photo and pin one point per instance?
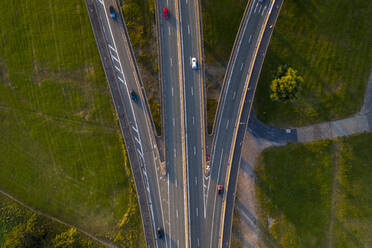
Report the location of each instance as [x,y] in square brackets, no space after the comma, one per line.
[134,117]
[183,201]
[230,109]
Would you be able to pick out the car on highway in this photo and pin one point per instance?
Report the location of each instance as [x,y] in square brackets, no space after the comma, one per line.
[133,95]
[208,158]
[194,63]
[159,232]
[112,12]
[165,13]
[219,189]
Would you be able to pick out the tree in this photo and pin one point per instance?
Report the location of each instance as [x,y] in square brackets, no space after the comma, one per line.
[285,86]
[31,234]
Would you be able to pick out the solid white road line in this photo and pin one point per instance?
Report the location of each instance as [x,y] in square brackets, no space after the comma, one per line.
[117,68]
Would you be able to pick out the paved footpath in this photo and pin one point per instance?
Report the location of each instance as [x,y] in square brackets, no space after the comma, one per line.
[358,123]
[259,136]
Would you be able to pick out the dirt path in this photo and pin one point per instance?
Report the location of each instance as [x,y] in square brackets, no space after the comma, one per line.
[247,231]
[336,149]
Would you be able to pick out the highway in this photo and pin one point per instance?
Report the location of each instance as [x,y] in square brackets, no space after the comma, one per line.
[123,77]
[230,110]
[194,117]
[173,128]
[184,201]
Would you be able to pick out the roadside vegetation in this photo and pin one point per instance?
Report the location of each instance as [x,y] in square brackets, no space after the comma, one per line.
[221,20]
[20,227]
[61,150]
[329,44]
[139,17]
[317,194]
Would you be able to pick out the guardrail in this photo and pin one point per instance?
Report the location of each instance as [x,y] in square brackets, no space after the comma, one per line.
[225,240]
[228,69]
[147,221]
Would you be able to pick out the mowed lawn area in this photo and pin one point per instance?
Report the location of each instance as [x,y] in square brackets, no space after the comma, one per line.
[61,149]
[317,195]
[329,43]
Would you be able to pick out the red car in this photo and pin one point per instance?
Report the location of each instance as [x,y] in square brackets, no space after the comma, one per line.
[220,189]
[165,13]
[208,158]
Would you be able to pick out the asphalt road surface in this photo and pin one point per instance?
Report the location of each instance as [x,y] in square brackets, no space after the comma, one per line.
[231,105]
[194,118]
[124,81]
[184,202]
[172,94]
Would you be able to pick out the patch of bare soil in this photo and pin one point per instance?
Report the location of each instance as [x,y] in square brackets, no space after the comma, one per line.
[247,228]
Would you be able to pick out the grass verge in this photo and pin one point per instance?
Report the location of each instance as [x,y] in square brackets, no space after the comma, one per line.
[221,20]
[329,43]
[61,150]
[139,16]
[302,195]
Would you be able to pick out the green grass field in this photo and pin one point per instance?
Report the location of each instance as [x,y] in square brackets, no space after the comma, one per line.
[318,194]
[61,149]
[329,43]
[221,19]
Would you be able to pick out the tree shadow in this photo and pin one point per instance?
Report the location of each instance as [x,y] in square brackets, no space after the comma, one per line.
[256,226]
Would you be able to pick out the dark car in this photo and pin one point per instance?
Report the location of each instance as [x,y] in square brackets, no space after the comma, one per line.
[159,232]
[112,12]
[220,189]
[165,13]
[133,95]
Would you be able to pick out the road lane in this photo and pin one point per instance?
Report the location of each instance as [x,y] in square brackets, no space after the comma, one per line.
[227,123]
[194,117]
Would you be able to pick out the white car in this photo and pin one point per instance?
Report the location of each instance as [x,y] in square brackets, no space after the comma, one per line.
[194,63]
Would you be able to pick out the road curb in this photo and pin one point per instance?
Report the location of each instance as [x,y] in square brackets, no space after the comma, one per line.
[238,121]
[147,221]
[264,46]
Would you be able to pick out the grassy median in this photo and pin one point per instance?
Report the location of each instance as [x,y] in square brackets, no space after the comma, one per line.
[329,43]
[317,195]
[61,149]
